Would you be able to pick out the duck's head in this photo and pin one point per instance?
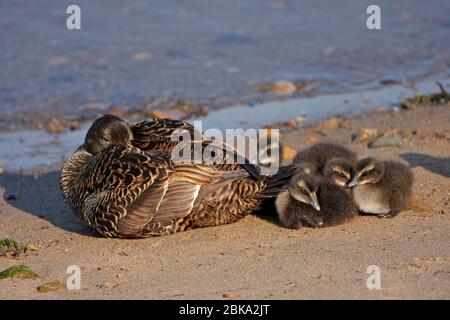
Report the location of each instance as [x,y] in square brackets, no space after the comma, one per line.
[303,188]
[106,131]
[339,171]
[368,170]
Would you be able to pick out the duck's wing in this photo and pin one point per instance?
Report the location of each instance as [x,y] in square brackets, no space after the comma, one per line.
[139,194]
[158,134]
[113,180]
[164,134]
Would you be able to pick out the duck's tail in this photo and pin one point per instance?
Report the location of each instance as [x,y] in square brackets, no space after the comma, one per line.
[278,181]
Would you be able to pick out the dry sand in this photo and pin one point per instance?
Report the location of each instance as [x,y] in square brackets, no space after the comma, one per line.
[256,257]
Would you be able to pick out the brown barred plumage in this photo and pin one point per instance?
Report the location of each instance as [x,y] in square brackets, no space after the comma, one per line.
[137,191]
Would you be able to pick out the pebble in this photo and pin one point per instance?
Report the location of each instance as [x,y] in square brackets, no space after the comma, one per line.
[366,134]
[51,286]
[332,123]
[229,295]
[31,247]
[289,153]
[386,141]
[284,88]
[142,56]
[11,197]
[108,285]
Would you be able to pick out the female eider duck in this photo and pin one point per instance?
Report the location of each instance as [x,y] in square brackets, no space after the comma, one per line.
[123,191]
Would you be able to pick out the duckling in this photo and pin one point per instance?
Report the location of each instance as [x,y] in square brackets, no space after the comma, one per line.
[122,191]
[382,187]
[339,171]
[314,158]
[315,202]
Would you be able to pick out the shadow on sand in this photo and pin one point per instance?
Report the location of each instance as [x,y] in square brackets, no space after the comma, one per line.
[41,196]
[436,165]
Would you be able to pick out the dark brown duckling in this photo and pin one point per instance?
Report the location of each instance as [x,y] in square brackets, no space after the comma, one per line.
[314,158]
[339,171]
[382,188]
[314,202]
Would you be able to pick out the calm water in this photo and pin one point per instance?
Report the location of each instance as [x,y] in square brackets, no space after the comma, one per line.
[130,52]
[36,148]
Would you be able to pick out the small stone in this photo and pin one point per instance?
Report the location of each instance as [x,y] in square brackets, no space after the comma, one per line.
[291,123]
[386,141]
[11,197]
[118,112]
[366,100]
[51,286]
[142,56]
[284,88]
[289,153]
[31,247]
[312,139]
[108,285]
[437,135]
[366,134]
[54,126]
[406,134]
[332,123]
[229,295]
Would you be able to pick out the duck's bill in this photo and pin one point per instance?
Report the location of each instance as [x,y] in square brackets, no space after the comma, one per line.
[315,203]
[354,182]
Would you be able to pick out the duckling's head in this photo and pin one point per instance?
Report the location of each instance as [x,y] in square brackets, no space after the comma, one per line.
[306,167]
[368,170]
[106,131]
[339,171]
[303,187]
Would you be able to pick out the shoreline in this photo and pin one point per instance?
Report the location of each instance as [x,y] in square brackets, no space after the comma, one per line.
[50,149]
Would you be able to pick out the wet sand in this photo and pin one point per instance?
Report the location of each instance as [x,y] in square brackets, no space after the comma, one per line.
[256,257]
[130,55]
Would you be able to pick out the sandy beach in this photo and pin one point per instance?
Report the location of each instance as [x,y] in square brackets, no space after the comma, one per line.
[317,69]
[255,258]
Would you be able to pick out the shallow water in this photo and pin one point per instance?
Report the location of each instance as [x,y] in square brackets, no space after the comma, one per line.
[129,53]
[34,149]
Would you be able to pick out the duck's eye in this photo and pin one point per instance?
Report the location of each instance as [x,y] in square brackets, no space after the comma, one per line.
[341,174]
[365,174]
[300,188]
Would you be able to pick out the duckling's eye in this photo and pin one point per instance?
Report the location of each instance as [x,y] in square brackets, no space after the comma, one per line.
[365,174]
[302,190]
[104,139]
[341,174]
